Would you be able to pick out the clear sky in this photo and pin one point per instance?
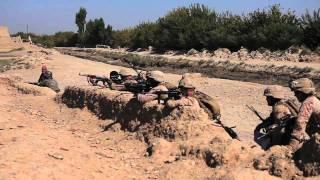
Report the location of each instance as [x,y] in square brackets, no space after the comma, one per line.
[49,16]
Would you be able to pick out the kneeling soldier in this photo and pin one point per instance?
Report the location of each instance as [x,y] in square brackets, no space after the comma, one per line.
[308,119]
[276,129]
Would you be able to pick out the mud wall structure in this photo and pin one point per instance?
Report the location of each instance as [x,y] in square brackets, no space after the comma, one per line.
[242,71]
[6,43]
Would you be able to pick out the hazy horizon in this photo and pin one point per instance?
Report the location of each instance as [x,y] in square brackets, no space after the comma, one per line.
[48,17]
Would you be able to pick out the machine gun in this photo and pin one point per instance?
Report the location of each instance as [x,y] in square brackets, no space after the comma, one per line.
[277,127]
[171,94]
[94,80]
[137,87]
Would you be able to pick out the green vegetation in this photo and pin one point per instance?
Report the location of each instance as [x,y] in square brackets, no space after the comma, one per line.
[198,27]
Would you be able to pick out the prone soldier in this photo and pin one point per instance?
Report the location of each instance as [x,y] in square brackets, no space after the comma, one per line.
[46,80]
[187,95]
[156,84]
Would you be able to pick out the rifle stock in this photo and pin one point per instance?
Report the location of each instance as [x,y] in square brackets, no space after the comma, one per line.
[229,130]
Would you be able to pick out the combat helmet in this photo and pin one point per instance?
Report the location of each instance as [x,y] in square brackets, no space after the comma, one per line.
[303,85]
[125,72]
[156,75]
[186,83]
[274,91]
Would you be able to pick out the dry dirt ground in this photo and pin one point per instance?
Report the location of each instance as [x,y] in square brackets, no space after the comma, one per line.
[233,96]
[40,139]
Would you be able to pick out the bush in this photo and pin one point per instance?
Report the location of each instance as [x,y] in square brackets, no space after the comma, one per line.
[199,27]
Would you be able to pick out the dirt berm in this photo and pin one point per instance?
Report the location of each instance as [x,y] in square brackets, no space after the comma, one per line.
[180,133]
[263,72]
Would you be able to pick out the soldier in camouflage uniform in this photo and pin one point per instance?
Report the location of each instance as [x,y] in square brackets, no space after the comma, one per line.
[281,108]
[156,82]
[46,79]
[127,78]
[308,119]
[187,95]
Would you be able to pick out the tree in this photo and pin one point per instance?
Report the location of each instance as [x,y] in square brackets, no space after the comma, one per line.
[311,29]
[81,22]
[95,32]
[108,35]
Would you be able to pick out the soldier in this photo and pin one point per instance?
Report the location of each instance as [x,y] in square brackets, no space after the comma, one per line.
[156,83]
[127,79]
[45,74]
[308,119]
[187,95]
[46,79]
[281,109]
[127,76]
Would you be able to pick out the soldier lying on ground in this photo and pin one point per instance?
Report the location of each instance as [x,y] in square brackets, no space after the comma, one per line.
[156,83]
[46,80]
[187,95]
[276,129]
[308,119]
[127,79]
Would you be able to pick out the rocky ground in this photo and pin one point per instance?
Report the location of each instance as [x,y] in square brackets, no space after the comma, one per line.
[43,139]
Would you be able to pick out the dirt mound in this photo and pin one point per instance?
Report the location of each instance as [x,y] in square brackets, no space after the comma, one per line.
[278,162]
[4,32]
[308,157]
[33,89]
[148,120]
[6,43]
[26,88]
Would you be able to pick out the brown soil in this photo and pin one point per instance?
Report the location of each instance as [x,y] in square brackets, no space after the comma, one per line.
[41,138]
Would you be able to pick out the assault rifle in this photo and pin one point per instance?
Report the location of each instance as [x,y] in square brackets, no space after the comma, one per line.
[33,83]
[94,80]
[229,130]
[255,112]
[172,94]
[277,127]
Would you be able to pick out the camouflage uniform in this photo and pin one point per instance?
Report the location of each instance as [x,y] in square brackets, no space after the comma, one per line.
[308,119]
[281,109]
[151,95]
[122,86]
[185,100]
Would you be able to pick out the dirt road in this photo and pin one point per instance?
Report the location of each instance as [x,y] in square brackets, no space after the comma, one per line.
[232,95]
[41,139]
